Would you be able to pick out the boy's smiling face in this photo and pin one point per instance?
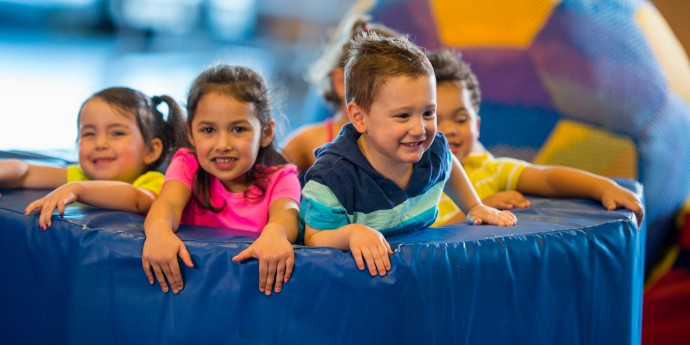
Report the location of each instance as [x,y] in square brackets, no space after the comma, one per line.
[457,118]
[401,123]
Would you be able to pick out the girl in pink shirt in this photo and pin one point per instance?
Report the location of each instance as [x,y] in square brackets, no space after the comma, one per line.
[233,177]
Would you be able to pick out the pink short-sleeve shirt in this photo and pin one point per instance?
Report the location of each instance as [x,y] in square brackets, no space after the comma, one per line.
[238,214]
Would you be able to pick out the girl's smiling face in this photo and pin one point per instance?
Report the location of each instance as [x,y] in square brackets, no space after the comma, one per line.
[111,146]
[227,136]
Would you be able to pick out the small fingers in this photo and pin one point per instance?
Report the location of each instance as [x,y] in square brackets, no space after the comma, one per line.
[169,275]
[289,264]
[46,214]
[177,276]
[147,270]
[357,254]
[384,255]
[36,205]
[270,277]
[280,275]
[243,255]
[161,277]
[369,258]
[388,247]
[263,271]
[61,207]
[184,255]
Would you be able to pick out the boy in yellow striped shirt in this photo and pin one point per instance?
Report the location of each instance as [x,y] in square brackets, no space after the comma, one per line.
[500,182]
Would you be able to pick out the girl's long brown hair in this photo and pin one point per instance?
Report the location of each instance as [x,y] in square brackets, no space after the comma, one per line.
[243,85]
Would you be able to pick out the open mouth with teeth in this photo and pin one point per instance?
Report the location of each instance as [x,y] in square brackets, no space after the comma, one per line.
[101,161]
[224,162]
[413,144]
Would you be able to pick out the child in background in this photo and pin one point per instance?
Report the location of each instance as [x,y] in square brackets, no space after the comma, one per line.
[501,182]
[234,178]
[328,73]
[122,139]
[385,172]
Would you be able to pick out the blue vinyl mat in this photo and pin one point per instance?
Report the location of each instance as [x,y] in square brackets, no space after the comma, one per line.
[570,272]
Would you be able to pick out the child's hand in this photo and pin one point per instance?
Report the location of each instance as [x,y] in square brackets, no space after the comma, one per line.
[370,244]
[58,198]
[160,254]
[276,260]
[614,197]
[482,214]
[506,200]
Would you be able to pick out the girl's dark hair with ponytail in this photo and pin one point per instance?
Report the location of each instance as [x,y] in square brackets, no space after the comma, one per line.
[243,85]
[172,132]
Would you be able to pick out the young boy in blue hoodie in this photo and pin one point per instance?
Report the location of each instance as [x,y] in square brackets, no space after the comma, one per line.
[385,173]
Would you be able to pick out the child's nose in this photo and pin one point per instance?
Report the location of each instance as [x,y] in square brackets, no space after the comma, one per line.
[102,142]
[223,143]
[418,128]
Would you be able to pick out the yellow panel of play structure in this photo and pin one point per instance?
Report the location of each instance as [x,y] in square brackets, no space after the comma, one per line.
[589,148]
[501,22]
[666,48]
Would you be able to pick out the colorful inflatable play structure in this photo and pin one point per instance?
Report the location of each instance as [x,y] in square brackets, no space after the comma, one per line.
[600,86]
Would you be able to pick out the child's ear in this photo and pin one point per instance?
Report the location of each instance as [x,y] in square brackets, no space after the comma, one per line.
[189,133]
[154,151]
[356,115]
[267,134]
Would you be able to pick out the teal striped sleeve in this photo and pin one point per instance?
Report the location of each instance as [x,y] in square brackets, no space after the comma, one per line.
[450,164]
[320,208]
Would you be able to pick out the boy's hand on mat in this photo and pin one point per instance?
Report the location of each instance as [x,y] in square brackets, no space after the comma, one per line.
[160,255]
[506,200]
[276,260]
[370,244]
[58,198]
[482,214]
[615,197]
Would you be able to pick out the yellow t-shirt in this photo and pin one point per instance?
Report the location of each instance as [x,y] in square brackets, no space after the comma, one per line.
[488,176]
[151,180]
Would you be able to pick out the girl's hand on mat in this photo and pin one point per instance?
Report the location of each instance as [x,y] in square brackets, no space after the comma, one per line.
[58,198]
[160,255]
[615,197]
[370,244]
[506,200]
[276,260]
[482,214]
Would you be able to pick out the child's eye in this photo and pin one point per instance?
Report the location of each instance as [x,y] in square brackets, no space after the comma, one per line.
[461,119]
[239,129]
[118,134]
[403,116]
[429,113]
[88,134]
[207,130]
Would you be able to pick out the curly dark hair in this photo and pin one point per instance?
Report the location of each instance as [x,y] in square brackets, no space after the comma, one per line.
[449,67]
[243,85]
[129,102]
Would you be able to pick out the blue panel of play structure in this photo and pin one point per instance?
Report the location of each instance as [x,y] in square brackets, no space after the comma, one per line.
[570,272]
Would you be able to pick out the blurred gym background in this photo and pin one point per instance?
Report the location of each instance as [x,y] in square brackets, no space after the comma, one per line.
[55,53]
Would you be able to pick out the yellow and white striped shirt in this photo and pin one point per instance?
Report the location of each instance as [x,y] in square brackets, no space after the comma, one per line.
[488,175]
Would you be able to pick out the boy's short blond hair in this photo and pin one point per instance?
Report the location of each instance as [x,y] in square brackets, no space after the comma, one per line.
[373,59]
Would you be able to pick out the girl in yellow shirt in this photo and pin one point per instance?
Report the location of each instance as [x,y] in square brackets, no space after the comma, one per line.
[122,139]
